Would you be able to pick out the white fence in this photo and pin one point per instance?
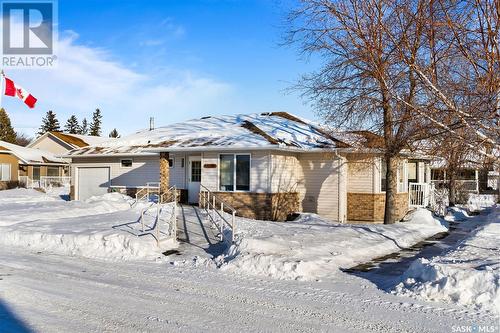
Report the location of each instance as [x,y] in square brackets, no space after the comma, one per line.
[420,194]
[44,182]
[471,185]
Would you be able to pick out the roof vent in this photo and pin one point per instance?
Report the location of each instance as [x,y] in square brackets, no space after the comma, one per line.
[151,123]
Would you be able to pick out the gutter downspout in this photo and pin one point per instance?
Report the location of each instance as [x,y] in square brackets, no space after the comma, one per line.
[339,159]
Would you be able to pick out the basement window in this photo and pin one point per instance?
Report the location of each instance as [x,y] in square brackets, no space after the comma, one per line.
[127,163]
[234,172]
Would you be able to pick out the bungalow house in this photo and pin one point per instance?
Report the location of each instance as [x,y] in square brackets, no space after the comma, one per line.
[265,165]
[59,143]
[19,163]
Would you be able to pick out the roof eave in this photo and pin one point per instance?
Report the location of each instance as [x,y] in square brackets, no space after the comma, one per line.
[108,155]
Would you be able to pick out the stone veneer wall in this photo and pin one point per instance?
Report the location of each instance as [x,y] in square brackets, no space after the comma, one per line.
[261,206]
[370,206]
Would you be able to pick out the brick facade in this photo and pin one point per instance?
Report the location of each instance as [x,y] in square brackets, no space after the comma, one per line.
[370,206]
[164,172]
[261,206]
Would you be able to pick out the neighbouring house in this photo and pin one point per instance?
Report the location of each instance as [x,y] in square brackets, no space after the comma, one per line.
[17,164]
[60,143]
[266,165]
[472,177]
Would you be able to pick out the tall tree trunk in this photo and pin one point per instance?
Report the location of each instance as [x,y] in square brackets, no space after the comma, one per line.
[391,189]
[452,186]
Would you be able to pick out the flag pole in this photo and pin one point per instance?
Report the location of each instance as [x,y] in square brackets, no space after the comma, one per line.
[1,87]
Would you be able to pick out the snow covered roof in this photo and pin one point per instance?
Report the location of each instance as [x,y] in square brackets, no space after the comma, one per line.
[73,140]
[30,155]
[276,130]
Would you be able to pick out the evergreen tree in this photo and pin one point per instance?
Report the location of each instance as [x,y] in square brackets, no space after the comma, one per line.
[95,126]
[72,126]
[49,123]
[84,128]
[7,133]
[114,133]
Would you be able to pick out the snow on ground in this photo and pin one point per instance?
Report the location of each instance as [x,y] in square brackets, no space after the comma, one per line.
[468,275]
[53,293]
[312,248]
[477,202]
[101,227]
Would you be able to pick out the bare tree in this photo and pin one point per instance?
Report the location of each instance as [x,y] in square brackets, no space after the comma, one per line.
[459,71]
[407,69]
[364,82]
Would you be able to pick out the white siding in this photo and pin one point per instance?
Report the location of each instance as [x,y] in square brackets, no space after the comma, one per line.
[178,172]
[143,170]
[51,145]
[209,176]
[322,186]
[363,175]
[285,172]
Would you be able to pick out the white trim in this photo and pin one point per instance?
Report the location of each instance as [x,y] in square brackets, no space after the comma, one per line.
[234,173]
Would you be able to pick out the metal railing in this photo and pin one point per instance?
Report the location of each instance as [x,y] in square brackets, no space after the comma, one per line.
[145,192]
[159,208]
[462,185]
[219,212]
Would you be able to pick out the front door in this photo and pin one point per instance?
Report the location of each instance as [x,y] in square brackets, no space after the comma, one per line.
[194,178]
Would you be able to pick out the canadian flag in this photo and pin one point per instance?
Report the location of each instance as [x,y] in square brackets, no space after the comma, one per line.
[12,89]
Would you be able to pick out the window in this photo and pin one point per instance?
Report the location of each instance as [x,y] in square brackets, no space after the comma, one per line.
[36,173]
[195,171]
[400,177]
[126,163]
[53,171]
[234,172]
[412,172]
[182,162]
[170,162]
[4,172]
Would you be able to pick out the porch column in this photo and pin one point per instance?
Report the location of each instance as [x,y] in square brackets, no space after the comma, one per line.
[476,176]
[164,172]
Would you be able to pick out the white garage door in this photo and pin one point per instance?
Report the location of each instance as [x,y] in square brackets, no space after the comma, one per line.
[92,181]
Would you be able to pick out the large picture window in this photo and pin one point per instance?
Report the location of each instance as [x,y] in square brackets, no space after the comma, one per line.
[53,171]
[400,177]
[234,172]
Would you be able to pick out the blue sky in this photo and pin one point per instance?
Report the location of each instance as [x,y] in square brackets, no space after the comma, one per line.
[173,60]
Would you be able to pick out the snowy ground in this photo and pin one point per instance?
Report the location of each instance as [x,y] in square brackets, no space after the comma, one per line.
[101,227]
[312,248]
[469,274]
[63,267]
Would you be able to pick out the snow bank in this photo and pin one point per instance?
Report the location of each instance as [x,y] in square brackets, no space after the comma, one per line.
[103,227]
[312,248]
[467,275]
[477,202]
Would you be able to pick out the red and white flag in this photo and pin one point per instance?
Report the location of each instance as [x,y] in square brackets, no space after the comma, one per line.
[12,89]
